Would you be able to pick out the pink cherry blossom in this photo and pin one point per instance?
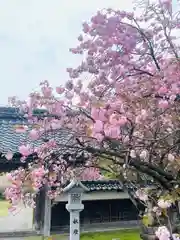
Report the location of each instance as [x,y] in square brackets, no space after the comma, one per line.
[157,210]
[117,120]
[9,176]
[144,154]
[163,233]
[98,126]
[133,154]
[163,104]
[98,136]
[25,150]
[60,90]
[122,121]
[112,131]
[21,129]
[171,158]
[55,124]
[90,174]
[98,114]
[162,90]
[34,134]
[164,203]
[113,119]
[9,155]
[142,195]
[144,114]
[95,113]
[47,91]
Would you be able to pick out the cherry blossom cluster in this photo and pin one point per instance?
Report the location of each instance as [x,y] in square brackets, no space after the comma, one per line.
[163,234]
[121,103]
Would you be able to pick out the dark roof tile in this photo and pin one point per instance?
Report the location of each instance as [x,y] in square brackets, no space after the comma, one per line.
[103,185]
[10,140]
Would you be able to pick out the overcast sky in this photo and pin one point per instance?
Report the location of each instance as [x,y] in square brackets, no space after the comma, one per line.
[35,37]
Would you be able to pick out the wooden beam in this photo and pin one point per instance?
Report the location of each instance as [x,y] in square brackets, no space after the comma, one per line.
[47,215]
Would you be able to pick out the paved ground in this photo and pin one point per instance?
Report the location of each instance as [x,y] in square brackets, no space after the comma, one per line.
[22,220]
[12,238]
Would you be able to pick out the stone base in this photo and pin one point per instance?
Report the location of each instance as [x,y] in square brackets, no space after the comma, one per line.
[148,236]
[147,233]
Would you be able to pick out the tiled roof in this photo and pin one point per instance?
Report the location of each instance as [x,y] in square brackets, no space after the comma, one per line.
[10,140]
[109,185]
[113,185]
[103,185]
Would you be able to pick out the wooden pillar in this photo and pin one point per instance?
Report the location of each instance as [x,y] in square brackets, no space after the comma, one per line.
[178,203]
[36,213]
[47,215]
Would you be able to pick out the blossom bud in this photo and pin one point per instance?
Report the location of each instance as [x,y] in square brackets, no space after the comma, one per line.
[170,157]
[144,155]
[164,204]
[132,154]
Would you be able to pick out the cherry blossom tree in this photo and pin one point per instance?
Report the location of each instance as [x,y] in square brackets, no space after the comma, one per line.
[119,108]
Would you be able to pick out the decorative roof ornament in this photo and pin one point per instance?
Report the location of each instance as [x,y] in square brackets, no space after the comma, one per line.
[75,185]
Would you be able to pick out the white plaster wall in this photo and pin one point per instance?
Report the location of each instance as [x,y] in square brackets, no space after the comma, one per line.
[100,195]
[20,221]
[3,183]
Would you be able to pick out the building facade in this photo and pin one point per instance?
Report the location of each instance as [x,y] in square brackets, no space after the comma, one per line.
[105,205]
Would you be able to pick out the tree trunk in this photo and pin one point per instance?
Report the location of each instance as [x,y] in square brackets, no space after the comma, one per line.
[148,233]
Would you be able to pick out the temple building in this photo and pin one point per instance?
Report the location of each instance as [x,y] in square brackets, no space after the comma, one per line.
[105,204]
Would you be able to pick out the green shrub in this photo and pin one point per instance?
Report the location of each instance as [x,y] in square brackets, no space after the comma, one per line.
[2,196]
